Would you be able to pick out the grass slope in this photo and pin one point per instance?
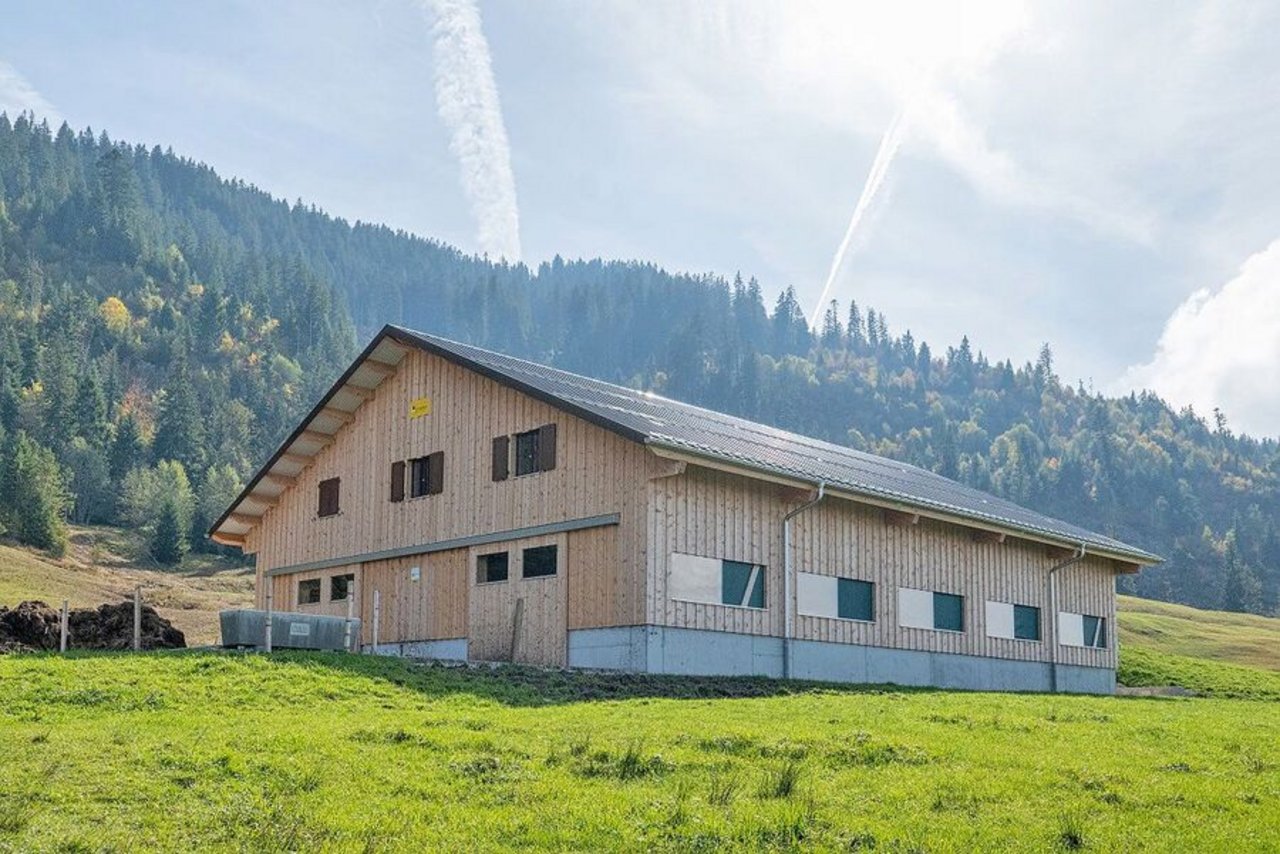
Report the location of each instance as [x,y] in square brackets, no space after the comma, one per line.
[1191,632]
[302,752]
[105,564]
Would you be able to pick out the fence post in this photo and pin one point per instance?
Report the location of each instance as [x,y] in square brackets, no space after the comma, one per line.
[62,644]
[270,603]
[351,604]
[377,614]
[137,618]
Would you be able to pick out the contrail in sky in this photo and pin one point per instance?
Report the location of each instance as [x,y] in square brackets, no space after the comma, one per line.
[875,178]
[467,99]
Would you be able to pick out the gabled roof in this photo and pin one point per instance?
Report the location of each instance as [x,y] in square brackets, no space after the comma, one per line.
[680,429]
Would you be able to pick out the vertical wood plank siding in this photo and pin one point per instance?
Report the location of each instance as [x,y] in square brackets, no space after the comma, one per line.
[617,575]
[597,472]
[721,515]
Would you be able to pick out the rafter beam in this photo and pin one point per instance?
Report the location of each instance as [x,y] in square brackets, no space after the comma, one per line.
[242,519]
[382,369]
[983,536]
[358,391]
[899,518]
[283,481]
[312,436]
[295,459]
[336,414]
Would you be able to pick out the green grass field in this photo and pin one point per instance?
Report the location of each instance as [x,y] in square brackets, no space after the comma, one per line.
[187,751]
[1192,632]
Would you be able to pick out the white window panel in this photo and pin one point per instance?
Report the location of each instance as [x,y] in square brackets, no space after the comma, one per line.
[1000,620]
[694,579]
[1070,629]
[915,608]
[817,595]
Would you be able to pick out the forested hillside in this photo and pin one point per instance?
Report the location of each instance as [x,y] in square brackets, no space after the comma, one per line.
[161,328]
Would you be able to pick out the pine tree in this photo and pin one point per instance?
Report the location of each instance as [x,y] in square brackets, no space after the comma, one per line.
[37,494]
[832,332]
[169,540]
[127,449]
[179,427]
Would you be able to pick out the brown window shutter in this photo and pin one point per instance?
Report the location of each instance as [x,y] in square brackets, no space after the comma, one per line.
[397,481]
[329,496]
[435,473]
[547,447]
[501,457]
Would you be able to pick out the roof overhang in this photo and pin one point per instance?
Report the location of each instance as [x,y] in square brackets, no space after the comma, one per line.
[1126,562]
[357,385]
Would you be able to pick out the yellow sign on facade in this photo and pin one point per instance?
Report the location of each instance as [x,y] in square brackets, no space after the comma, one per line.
[420,407]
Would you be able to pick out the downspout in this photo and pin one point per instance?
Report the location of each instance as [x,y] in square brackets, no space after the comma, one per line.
[788,586]
[1053,613]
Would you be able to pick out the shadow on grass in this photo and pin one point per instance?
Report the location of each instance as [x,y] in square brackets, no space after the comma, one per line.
[510,684]
[525,686]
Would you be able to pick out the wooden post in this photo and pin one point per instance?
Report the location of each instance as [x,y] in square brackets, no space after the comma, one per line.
[62,644]
[137,618]
[351,605]
[270,601]
[516,622]
[377,614]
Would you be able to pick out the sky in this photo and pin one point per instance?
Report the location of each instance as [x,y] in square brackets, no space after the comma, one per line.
[1102,177]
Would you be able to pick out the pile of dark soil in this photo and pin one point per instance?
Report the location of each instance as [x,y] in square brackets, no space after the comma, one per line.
[33,626]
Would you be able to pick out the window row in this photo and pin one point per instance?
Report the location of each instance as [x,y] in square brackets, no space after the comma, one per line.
[341,588]
[727,582]
[535,562]
[535,451]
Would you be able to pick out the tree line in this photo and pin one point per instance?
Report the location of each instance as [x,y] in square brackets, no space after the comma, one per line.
[161,329]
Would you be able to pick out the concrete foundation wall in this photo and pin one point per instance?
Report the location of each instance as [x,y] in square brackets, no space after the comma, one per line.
[454,649]
[661,649]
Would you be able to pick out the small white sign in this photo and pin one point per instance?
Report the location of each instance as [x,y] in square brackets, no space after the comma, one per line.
[299,630]
[415,573]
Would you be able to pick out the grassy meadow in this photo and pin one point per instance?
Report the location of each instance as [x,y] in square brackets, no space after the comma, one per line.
[198,750]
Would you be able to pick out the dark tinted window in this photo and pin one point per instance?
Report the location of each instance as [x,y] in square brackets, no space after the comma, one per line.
[527,452]
[309,591]
[1095,631]
[855,599]
[741,584]
[948,612]
[539,561]
[1026,622]
[491,567]
[341,586]
[419,477]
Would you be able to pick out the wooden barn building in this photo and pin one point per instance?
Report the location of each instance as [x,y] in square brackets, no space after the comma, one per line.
[504,510]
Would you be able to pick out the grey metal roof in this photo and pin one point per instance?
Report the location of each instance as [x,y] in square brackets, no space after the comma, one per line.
[664,423]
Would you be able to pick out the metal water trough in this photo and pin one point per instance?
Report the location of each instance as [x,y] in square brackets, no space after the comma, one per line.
[247,628]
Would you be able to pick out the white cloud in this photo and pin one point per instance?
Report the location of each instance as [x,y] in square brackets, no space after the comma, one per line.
[467,98]
[1223,349]
[18,96]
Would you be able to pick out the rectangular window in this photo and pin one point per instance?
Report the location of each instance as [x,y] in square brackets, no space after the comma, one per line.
[309,591]
[837,598]
[426,475]
[341,587]
[539,562]
[741,584]
[1015,622]
[925,609]
[716,582]
[1095,631]
[1026,622]
[329,497]
[491,567]
[1082,630]
[948,612]
[527,452]
[535,451]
